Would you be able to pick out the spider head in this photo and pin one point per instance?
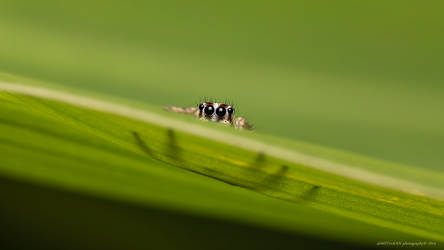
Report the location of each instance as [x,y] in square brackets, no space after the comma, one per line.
[217,112]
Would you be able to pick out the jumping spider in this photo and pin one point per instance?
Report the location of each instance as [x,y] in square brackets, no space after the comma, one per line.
[215,112]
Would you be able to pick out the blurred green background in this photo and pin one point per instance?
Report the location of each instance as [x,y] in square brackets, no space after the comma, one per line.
[362,76]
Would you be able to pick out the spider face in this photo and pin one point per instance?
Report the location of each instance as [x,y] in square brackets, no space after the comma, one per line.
[217,112]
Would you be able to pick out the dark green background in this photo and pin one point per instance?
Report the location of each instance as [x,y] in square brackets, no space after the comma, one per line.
[363,76]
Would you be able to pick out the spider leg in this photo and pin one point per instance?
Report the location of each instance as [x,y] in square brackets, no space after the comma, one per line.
[242,123]
[188,111]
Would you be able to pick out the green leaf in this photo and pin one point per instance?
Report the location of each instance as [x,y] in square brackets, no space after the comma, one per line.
[157,159]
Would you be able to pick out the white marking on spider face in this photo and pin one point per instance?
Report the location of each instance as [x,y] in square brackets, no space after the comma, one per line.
[213,116]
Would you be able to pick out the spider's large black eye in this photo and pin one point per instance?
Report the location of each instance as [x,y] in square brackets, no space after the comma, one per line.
[201,106]
[209,110]
[221,111]
[230,110]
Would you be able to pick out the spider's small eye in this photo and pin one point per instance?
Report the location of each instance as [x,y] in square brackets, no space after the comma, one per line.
[201,106]
[221,111]
[209,110]
[230,110]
